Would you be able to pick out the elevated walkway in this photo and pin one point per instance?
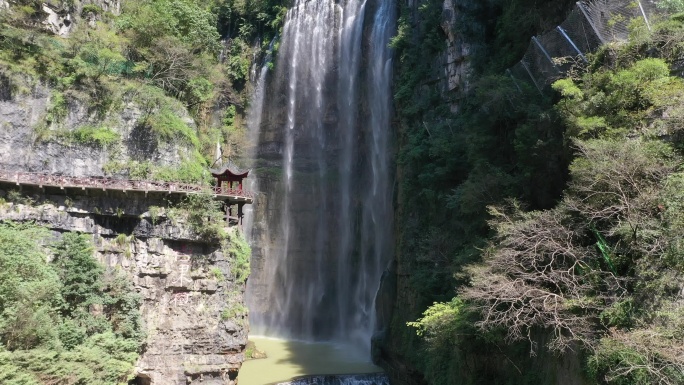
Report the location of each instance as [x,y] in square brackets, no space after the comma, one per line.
[225,194]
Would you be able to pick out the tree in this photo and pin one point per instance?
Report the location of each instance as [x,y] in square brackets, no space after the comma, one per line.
[29,289]
[80,274]
[542,273]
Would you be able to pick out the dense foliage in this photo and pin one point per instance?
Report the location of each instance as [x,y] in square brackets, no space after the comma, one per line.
[63,322]
[571,205]
[500,144]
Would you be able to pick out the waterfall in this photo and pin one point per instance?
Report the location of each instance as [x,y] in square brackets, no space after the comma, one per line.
[321,235]
[254,115]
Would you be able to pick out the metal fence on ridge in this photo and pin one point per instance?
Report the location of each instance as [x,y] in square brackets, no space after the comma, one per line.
[590,24]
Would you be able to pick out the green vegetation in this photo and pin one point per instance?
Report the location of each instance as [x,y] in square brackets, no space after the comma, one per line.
[154,212]
[217,274]
[252,352]
[671,5]
[204,216]
[160,56]
[123,240]
[169,127]
[15,196]
[557,219]
[192,169]
[240,254]
[93,136]
[234,311]
[64,321]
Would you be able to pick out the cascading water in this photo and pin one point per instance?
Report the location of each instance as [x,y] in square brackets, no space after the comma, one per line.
[253,123]
[322,231]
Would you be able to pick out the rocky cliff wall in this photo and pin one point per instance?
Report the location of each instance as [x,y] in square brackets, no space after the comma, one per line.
[60,16]
[30,142]
[192,307]
[439,41]
[450,68]
[193,310]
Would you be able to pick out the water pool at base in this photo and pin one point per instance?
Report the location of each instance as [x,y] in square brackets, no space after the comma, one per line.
[289,359]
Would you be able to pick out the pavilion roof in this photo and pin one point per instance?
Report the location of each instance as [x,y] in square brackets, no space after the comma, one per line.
[229,169]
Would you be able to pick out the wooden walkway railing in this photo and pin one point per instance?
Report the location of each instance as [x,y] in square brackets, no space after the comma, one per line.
[40,180]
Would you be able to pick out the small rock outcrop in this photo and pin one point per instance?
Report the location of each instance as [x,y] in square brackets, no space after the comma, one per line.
[60,17]
[457,68]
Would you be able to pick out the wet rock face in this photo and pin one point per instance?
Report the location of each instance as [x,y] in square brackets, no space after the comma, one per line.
[5,86]
[396,301]
[456,66]
[194,332]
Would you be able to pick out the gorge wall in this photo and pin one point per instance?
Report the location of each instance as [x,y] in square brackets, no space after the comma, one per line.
[193,305]
[192,287]
[448,52]
[192,301]
[29,143]
[362,199]
[191,298]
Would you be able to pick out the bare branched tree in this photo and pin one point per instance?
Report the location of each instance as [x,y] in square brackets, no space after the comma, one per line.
[172,65]
[544,271]
[541,275]
[617,187]
[616,182]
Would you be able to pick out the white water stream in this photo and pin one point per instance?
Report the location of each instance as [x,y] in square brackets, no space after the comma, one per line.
[322,225]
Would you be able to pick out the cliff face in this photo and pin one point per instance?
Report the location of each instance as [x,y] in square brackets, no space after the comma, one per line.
[192,307]
[192,290]
[437,230]
[29,143]
[398,301]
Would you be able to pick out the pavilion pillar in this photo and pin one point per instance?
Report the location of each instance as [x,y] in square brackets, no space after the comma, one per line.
[240,213]
[227,215]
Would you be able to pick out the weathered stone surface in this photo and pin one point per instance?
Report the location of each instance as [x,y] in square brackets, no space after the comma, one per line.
[457,67]
[22,149]
[60,19]
[185,282]
[184,300]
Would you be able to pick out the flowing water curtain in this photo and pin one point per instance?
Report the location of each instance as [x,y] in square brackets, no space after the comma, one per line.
[305,59]
[350,60]
[326,118]
[377,242]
